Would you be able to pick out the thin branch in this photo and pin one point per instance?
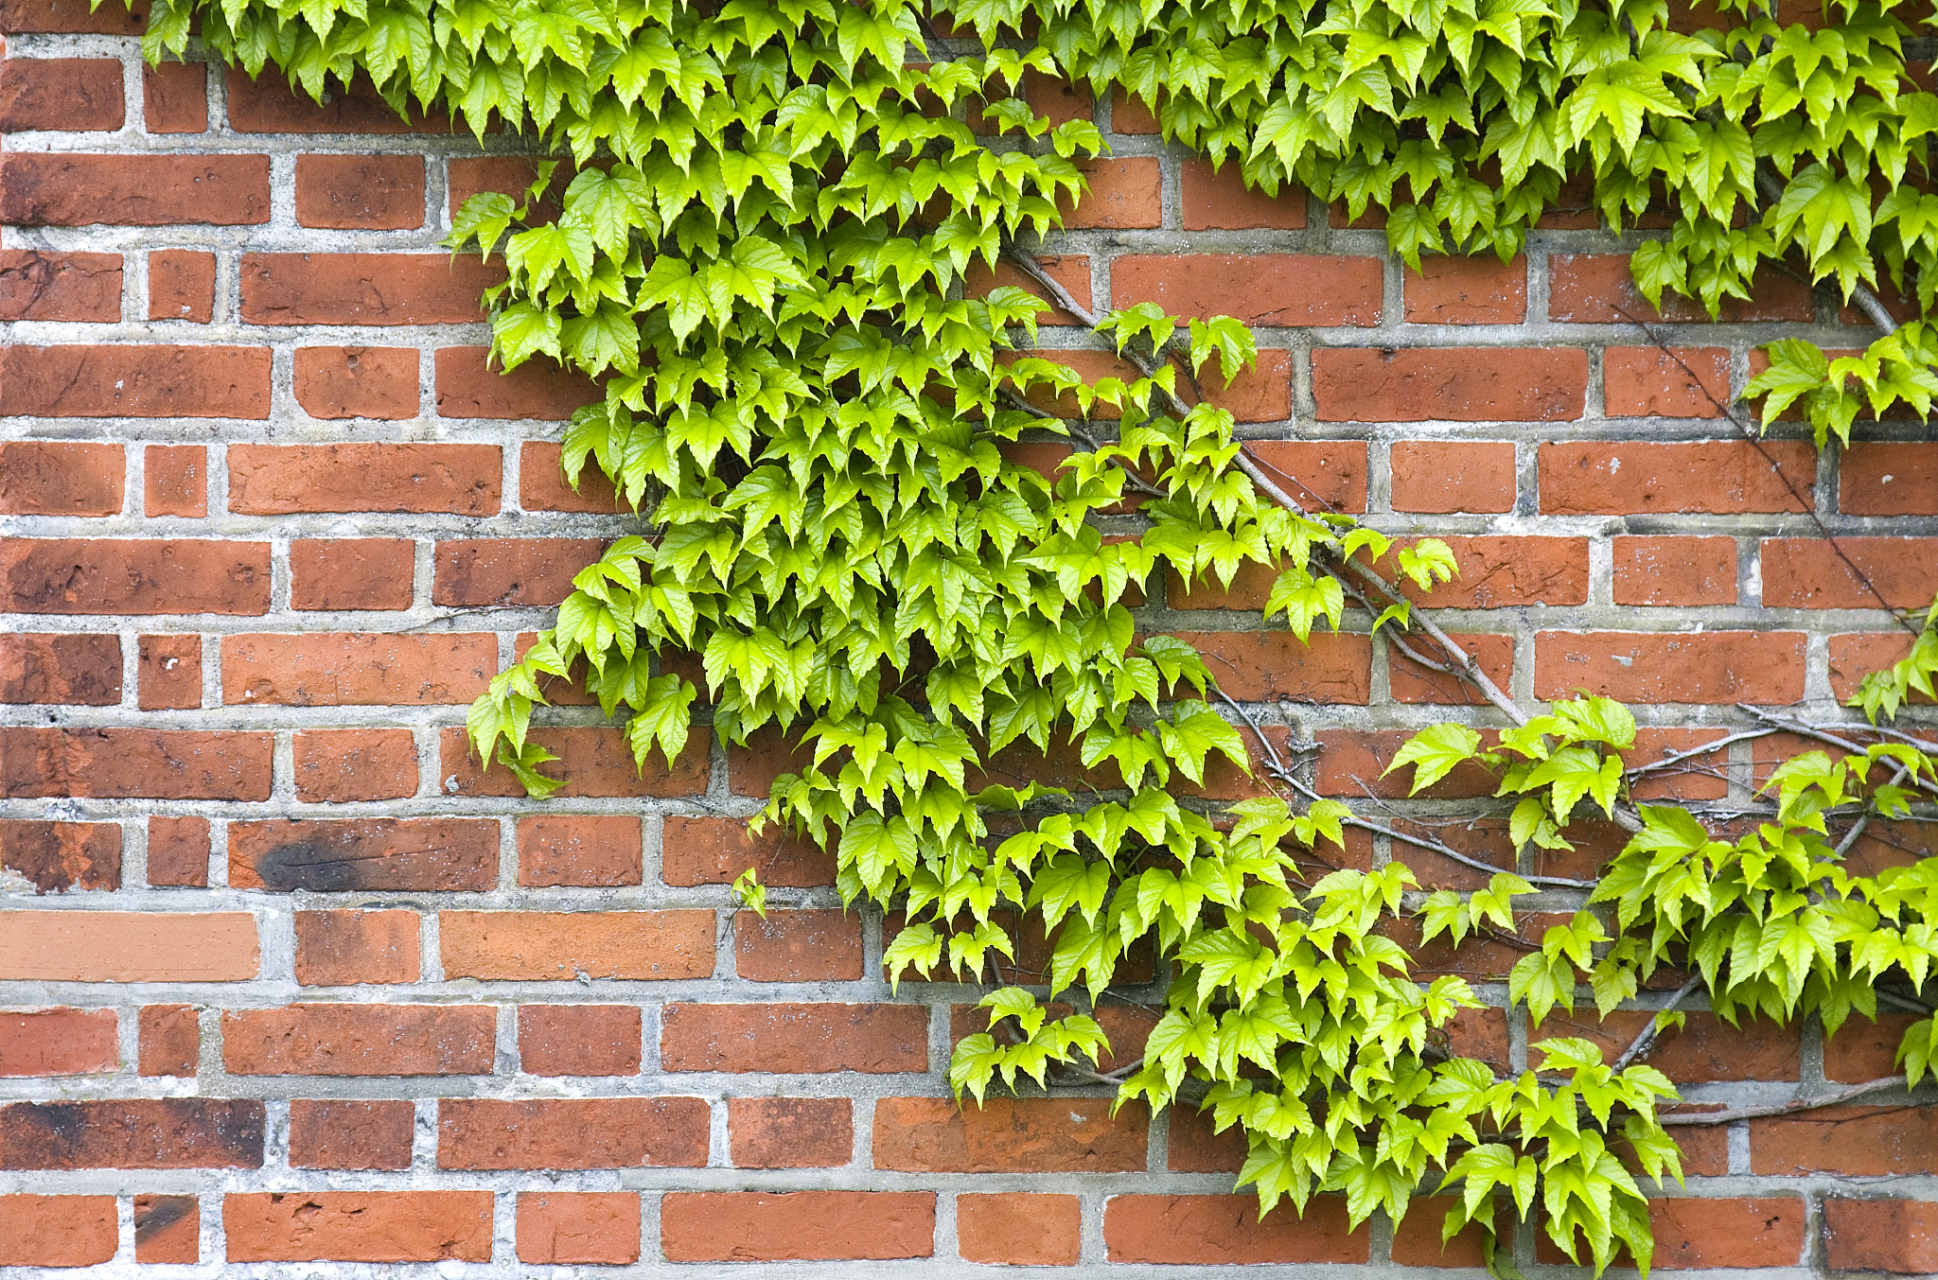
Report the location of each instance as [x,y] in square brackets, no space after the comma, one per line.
[1640,1046]
[1732,1114]
[1679,756]
[1821,733]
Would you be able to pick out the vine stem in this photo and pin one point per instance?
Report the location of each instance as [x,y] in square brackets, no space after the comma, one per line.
[1640,1046]
[1822,1100]
[1822,734]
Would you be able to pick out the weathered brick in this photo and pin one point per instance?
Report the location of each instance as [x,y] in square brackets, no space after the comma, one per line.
[270,104]
[175,97]
[175,480]
[1460,384]
[1458,290]
[537,389]
[1125,192]
[1721,477]
[357,382]
[168,1229]
[342,1134]
[558,946]
[60,478]
[338,669]
[364,288]
[1675,571]
[1331,473]
[1441,476]
[582,851]
[1269,290]
[1715,667]
[1858,1141]
[58,856]
[154,381]
[358,1226]
[872,1038]
[73,16]
[337,766]
[1408,681]
[126,575]
[67,189]
[1072,271]
[345,855]
[1261,666]
[181,286]
[579,1039]
[469,176]
[455,479]
[350,948]
[1705,1049]
[798,946]
[760,1226]
[39,284]
[484,572]
[696,851]
[1898,1237]
[592,761]
[567,1227]
[1019,1229]
[1010,1135]
[1865,1050]
[169,1040]
[1681,382]
[1220,201]
[1417,1238]
[542,486]
[70,94]
[1226,1229]
[148,764]
[790,1133]
[1809,573]
[169,672]
[352,573]
[178,852]
[57,1231]
[66,668]
[133,1133]
[1599,288]
[360,191]
[572,1133]
[360,1040]
[1880,478]
[58,1042]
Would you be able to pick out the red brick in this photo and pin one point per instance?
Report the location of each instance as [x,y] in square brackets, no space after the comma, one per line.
[1417,1242]
[123,576]
[178,852]
[1010,1135]
[1852,657]
[1675,571]
[58,478]
[133,1133]
[337,669]
[1714,667]
[468,176]
[1647,382]
[542,486]
[336,766]
[716,850]
[592,761]
[358,1226]
[1070,271]
[1220,201]
[537,389]
[1600,289]
[1193,1147]
[366,191]
[351,948]
[72,669]
[1461,290]
[131,764]
[352,573]
[1723,477]
[572,1133]
[455,479]
[564,1227]
[1273,290]
[365,855]
[540,946]
[1460,384]
[168,1229]
[168,1040]
[58,1042]
[790,1133]
[1808,573]
[153,381]
[364,288]
[1410,682]
[767,755]
[360,1040]
[1124,192]
[1441,476]
[1019,1229]
[1263,666]
[759,1226]
[337,1134]
[1130,114]
[1899,1237]
[1876,478]
[582,851]
[73,16]
[1866,1050]
[798,946]
[1858,1141]
[357,382]
[479,572]
[67,189]
[270,105]
[1502,572]
[181,286]
[791,1038]
[1324,474]
[70,94]
[57,1231]
[58,856]
[579,1039]
[1226,1229]
[37,284]
[1706,1049]
[175,480]
[175,97]
[169,672]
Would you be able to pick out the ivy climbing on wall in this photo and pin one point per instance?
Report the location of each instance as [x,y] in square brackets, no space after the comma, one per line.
[760,251]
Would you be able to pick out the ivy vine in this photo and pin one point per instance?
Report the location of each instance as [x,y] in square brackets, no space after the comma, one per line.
[760,252]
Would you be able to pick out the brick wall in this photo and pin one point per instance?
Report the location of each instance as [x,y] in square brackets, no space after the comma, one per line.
[288,977]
